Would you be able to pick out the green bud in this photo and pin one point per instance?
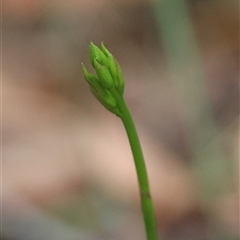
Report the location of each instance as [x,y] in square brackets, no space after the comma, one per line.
[90,78]
[102,94]
[115,70]
[117,74]
[104,75]
[97,54]
[109,76]
[93,82]
[108,101]
[105,50]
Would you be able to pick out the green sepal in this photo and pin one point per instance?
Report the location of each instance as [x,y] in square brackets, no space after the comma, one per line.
[108,101]
[97,54]
[102,94]
[104,75]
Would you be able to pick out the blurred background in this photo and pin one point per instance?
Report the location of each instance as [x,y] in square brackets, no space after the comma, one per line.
[67,168]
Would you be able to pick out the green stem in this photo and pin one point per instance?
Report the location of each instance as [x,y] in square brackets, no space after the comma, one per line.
[146,201]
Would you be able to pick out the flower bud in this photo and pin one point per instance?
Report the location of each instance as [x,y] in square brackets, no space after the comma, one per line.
[105,50]
[109,76]
[97,54]
[104,75]
[102,94]
[108,101]
[115,70]
[90,78]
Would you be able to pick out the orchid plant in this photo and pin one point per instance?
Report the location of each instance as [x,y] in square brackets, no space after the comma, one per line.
[108,87]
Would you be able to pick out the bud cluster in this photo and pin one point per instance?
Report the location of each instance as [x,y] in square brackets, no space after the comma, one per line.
[109,76]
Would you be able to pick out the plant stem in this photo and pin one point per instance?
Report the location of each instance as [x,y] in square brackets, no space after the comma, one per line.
[146,201]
